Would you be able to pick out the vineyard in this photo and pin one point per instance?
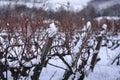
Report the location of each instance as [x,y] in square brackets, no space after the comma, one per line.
[35,45]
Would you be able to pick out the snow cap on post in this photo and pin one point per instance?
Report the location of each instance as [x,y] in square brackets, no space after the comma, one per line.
[104,28]
[52,30]
[88,24]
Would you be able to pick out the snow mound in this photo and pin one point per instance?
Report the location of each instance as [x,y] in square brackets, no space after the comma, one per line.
[108,18]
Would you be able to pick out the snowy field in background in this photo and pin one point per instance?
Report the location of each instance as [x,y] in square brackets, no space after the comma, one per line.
[73,5]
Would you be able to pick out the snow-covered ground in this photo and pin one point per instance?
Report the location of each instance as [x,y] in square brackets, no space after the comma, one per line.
[103,70]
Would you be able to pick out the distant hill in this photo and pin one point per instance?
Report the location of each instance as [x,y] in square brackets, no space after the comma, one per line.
[96,8]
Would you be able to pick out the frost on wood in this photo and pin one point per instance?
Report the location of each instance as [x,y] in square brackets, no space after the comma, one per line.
[98,46]
[45,51]
[85,30]
[79,64]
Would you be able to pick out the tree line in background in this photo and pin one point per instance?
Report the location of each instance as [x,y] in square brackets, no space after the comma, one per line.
[89,12]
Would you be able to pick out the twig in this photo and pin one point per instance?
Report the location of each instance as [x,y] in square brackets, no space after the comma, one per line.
[52,75]
[115,59]
[57,66]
